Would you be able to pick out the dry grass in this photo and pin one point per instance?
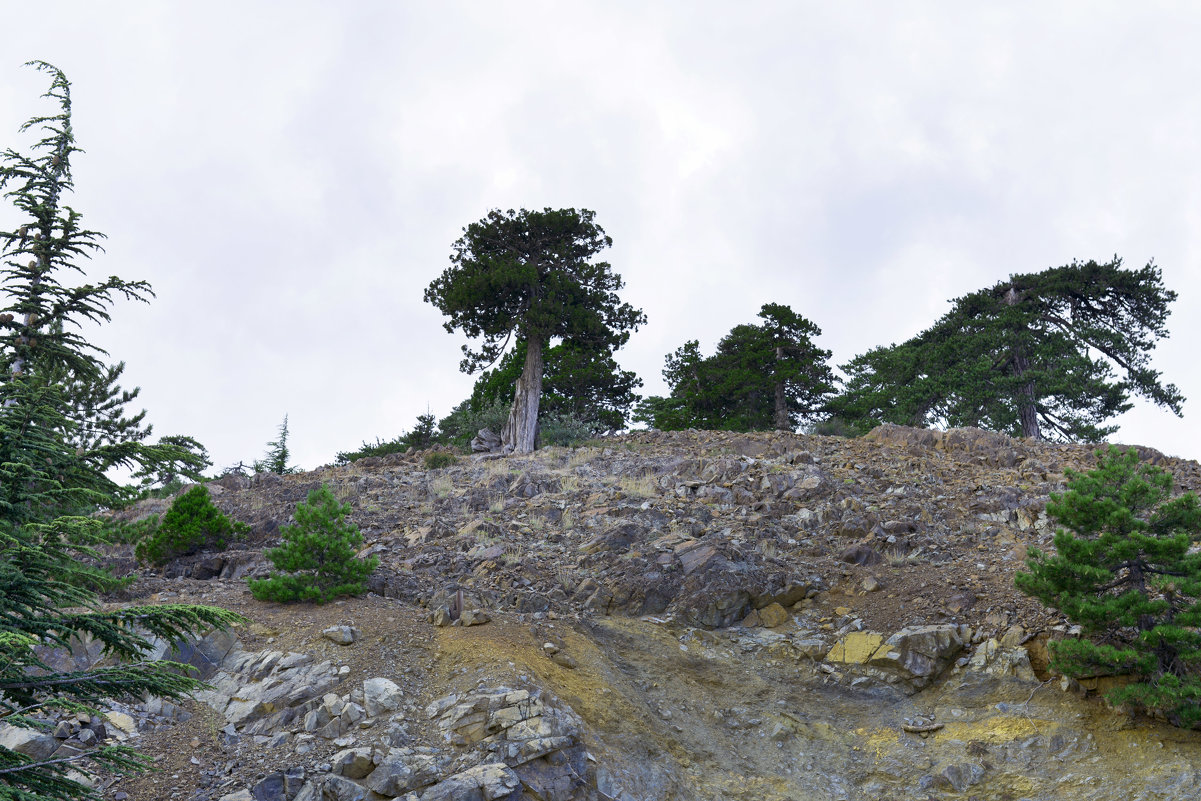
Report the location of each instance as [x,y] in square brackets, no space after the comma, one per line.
[442,486]
[581,457]
[897,557]
[640,487]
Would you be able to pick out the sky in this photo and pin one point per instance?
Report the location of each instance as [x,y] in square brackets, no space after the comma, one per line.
[290,176]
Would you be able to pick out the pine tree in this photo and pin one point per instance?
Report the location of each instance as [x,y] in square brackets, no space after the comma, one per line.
[763,376]
[1124,570]
[527,276]
[276,458]
[1054,354]
[317,555]
[61,425]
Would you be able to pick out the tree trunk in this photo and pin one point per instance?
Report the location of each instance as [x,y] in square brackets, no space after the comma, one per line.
[520,434]
[781,400]
[1027,406]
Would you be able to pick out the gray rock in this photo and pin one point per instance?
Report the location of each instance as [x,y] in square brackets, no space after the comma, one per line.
[380,696]
[353,763]
[341,635]
[270,788]
[485,441]
[402,771]
[34,744]
[482,783]
[962,776]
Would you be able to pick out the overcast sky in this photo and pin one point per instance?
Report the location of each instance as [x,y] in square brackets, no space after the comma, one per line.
[290,177]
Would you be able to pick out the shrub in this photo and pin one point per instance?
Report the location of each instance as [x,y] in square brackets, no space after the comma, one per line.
[435,460]
[1124,571]
[562,429]
[463,422]
[317,555]
[834,426]
[191,524]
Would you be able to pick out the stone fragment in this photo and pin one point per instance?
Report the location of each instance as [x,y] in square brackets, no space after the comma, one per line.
[474,617]
[341,635]
[240,795]
[773,615]
[482,783]
[271,787]
[381,696]
[31,743]
[353,763]
[1013,637]
[122,721]
[855,648]
[401,772]
[919,653]
[961,776]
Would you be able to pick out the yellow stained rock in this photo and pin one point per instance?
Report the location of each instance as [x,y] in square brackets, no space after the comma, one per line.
[855,648]
[773,615]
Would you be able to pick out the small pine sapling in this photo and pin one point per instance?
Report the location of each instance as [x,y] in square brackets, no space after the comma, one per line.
[317,556]
[191,524]
[1125,572]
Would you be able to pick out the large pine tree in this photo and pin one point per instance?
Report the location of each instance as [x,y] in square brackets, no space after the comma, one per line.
[1048,355]
[62,425]
[530,277]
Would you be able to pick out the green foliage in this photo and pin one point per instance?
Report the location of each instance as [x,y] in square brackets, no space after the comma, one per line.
[192,524]
[424,435]
[1123,570]
[62,426]
[563,429]
[317,555]
[527,274]
[463,423]
[833,427]
[578,384]
[763,376]
[436,460]
[1052,354]
[528,277]
[276,459]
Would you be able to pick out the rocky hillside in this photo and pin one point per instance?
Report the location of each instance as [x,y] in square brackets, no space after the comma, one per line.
[688,615]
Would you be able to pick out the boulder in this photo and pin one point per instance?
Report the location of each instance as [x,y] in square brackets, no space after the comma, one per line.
[380,696]
[919,654]
[403,770]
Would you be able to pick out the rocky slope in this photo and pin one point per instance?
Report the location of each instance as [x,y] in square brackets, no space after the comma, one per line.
[669,616]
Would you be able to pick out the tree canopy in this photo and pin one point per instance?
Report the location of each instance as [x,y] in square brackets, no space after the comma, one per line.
[62,425]
[529,277]
[1053,354]
[762,376]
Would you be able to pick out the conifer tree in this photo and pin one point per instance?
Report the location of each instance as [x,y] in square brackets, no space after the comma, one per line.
[1124,569]
[316,559]
[1048,355]
[528,276]
[763,376]
[61,425]
[276,458]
